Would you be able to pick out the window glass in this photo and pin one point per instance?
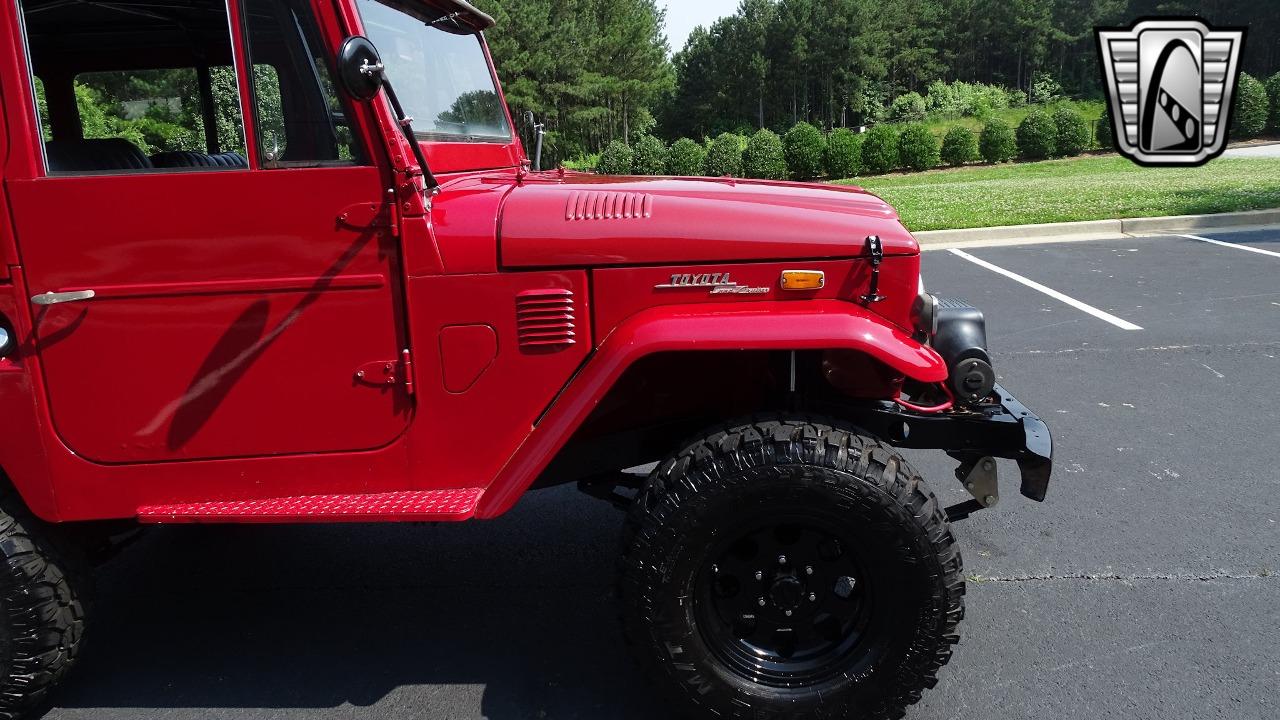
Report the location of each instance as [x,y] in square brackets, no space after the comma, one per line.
[42,109]
[442,78]
[225,90]
[270,115]
[142,90]
[156,110]
[300,118]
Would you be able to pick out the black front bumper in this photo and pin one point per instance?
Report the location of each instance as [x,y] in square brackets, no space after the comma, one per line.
[1002,427]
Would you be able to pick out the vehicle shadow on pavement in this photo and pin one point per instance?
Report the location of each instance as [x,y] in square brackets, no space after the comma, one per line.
[513,618]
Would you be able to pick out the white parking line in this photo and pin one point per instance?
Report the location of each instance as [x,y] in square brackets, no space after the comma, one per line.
[1237,246]
[1084,307]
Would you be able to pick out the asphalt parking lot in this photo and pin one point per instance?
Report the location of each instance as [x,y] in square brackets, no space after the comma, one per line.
[1145,587]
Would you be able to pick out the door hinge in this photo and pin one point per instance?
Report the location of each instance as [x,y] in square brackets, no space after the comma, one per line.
[366,215]
[384,373]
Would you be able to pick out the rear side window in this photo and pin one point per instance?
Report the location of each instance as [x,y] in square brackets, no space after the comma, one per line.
[300,118]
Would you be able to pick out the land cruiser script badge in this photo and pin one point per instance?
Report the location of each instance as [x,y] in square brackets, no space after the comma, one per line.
[717,283]
[1170,84]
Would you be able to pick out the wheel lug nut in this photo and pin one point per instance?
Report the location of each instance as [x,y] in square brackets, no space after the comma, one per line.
[715,569]
[788,613]
[782,559]
[808,570]
[761,602]
[813,596]
[844,587]
[759,575]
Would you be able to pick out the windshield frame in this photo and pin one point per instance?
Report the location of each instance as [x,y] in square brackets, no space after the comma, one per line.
[420,12]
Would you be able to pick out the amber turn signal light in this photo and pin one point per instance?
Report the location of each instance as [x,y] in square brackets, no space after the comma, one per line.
[803,279]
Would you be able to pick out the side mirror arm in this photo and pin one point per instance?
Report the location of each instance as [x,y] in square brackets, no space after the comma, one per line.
[362,73]
[406,126]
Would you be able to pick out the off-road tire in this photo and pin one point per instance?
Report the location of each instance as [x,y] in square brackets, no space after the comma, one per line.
[41,612]
[752,469]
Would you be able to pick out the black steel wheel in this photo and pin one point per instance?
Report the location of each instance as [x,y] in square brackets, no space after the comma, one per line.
[790,568]
[784,600]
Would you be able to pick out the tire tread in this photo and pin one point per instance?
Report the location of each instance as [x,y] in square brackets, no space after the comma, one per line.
[45,616]
[713,461]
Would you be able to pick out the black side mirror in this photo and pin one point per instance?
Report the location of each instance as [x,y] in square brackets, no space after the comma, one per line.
[360,67]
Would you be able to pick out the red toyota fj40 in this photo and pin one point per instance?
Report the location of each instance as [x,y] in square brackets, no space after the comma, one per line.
[347,296]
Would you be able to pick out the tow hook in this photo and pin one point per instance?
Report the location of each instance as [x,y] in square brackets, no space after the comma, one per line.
[981,479]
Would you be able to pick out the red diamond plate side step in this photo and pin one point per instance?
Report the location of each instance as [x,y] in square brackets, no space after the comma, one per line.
[409,506]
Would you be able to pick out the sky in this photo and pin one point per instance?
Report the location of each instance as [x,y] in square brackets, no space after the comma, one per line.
[685,15]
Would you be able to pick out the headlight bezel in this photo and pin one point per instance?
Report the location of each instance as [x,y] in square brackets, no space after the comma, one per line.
[924,314]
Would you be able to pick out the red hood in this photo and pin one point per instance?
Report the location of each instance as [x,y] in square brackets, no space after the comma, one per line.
[591,220]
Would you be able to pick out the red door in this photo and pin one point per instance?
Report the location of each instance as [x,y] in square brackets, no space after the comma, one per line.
[231,308]
[214,331]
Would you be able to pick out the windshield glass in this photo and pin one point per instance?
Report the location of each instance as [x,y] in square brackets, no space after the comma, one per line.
[442,78]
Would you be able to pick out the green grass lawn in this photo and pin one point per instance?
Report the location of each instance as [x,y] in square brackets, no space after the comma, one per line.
[1087,188]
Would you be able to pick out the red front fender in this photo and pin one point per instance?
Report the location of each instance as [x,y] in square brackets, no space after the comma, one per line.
[810,325]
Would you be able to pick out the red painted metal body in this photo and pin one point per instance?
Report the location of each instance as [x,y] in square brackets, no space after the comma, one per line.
[229,367]
[593,221]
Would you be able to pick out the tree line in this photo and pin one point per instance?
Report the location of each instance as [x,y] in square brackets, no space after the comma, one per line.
[600,70]
[592,71]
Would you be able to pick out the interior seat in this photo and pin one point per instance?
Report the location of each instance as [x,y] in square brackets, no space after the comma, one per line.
[95,155]
[183,159]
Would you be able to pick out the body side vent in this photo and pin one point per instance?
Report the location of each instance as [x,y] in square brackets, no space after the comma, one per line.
[599,205]
[546,319]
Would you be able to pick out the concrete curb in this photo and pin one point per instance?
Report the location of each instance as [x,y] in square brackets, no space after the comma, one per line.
[1094,229]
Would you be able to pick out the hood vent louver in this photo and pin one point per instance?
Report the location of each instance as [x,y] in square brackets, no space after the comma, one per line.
[545,319]
[599,205]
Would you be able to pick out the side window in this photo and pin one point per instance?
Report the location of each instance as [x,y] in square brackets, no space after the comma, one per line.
[122,87]
[300,118]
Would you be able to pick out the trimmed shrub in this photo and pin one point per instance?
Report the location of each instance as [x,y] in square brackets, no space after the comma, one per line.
[686,158]
[805,146]
[918,148]
[1250,116]
[1037,136]
[764,158]
[616,159]
[649,156]
[1102,133]
[1073,131]
[880,149]
[997,143]
[1273,95]
[959,146]
[844,154]
[724,157]
[909,107]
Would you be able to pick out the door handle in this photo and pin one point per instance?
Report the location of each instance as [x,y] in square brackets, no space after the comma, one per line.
[57,298]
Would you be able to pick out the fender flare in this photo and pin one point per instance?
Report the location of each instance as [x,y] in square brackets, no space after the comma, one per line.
[812,325]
